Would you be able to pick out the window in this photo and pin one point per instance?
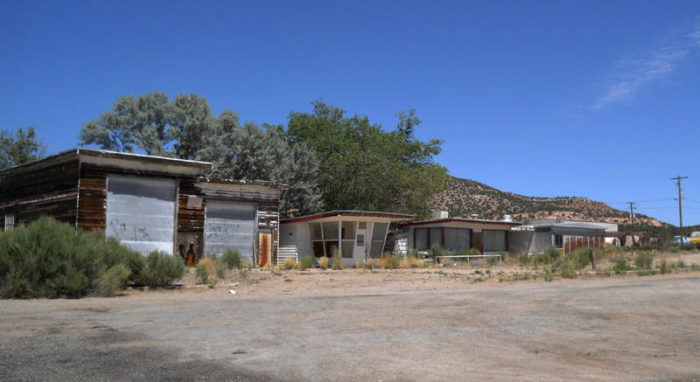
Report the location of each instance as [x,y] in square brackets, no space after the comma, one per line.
[9,222]
[457,238]
[421,238]
[378,235]
[558,241]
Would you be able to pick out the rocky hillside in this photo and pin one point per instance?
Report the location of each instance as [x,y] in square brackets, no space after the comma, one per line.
[465,197]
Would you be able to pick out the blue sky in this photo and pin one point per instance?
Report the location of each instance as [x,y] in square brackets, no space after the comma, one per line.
[588,98]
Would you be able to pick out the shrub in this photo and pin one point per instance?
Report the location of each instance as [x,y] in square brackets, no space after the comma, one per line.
[289,263]
[435,250]
[232,259]
[547,275]
[113,280]
[663,267]
[337,260]
[202,273]
[491,260]
[524,260]
[568,270]
[161,269]
[541,259]
[369,264]
[411,262]
[643,260]
[306,262]
[581,255]
[620,265]
[48,258]
[552,252]
[221,270]
[323,262]
[389,261]
[468,251]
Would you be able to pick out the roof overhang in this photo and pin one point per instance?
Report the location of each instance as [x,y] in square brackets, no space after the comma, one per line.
[353,214]
[461,221]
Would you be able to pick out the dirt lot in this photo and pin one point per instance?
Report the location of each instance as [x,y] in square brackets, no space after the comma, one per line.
[422,324]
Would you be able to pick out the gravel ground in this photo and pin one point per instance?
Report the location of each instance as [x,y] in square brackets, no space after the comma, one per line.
[354,325]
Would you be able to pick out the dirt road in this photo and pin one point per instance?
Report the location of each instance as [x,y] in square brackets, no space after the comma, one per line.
[359,326]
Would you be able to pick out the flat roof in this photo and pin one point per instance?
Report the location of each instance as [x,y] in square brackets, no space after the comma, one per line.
[77,152]
[378,214]
[462,220]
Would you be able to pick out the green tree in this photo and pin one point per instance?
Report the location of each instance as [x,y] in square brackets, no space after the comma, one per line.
[364,167]
[22,147]
[185,128]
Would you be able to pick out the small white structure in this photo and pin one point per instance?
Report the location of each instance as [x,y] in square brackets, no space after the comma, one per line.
[358,235]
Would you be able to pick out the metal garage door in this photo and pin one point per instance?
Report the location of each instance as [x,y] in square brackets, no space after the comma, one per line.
[141,212]
[229,225]
[494,241]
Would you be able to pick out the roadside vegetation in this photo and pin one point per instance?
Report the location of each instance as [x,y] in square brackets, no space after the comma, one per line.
[51,259]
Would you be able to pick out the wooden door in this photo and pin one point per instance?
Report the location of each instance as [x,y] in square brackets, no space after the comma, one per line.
[265,253]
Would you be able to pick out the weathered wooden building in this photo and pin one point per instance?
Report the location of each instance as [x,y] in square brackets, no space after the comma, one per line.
[147,202]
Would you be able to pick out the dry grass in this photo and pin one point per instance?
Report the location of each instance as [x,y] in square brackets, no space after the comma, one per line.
[412,262]
[289,263]
[324,262]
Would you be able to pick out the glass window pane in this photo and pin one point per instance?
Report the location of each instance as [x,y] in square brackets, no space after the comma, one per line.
[349,230]
[379,231]
[376,249]
[494,241]
[330,246]
[330,230]
[315,231]
[421,237]
[348,246]
[436,236]
[457,238]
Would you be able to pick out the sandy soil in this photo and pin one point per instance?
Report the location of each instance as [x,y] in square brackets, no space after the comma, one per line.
[420,324]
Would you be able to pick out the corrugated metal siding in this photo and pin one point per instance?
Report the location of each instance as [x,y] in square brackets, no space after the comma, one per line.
[229,225]
[141,212]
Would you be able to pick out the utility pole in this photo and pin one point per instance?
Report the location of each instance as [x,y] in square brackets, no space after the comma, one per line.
[631,214]
[680,203]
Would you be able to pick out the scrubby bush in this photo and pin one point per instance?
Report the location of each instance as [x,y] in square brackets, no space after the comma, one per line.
[552,252]
[337,260]
[643,260]
[491,260]
[411,262]
[52,259]
[160,269]
[570,267]
[232,259]
[620,265]
[524,260]
[663,267]
[435,250]
[547,275]
[468,252]
[289,263]
[306,263]
[389,261]
[323,262]
[541,259]
[581,255]
[113,280]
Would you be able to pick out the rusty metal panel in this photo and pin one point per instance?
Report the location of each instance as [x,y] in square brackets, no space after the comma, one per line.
[141,212]
[229,225]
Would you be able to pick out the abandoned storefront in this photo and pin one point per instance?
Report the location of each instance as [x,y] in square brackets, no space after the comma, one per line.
[148,203]
[357,235]
[454,234]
